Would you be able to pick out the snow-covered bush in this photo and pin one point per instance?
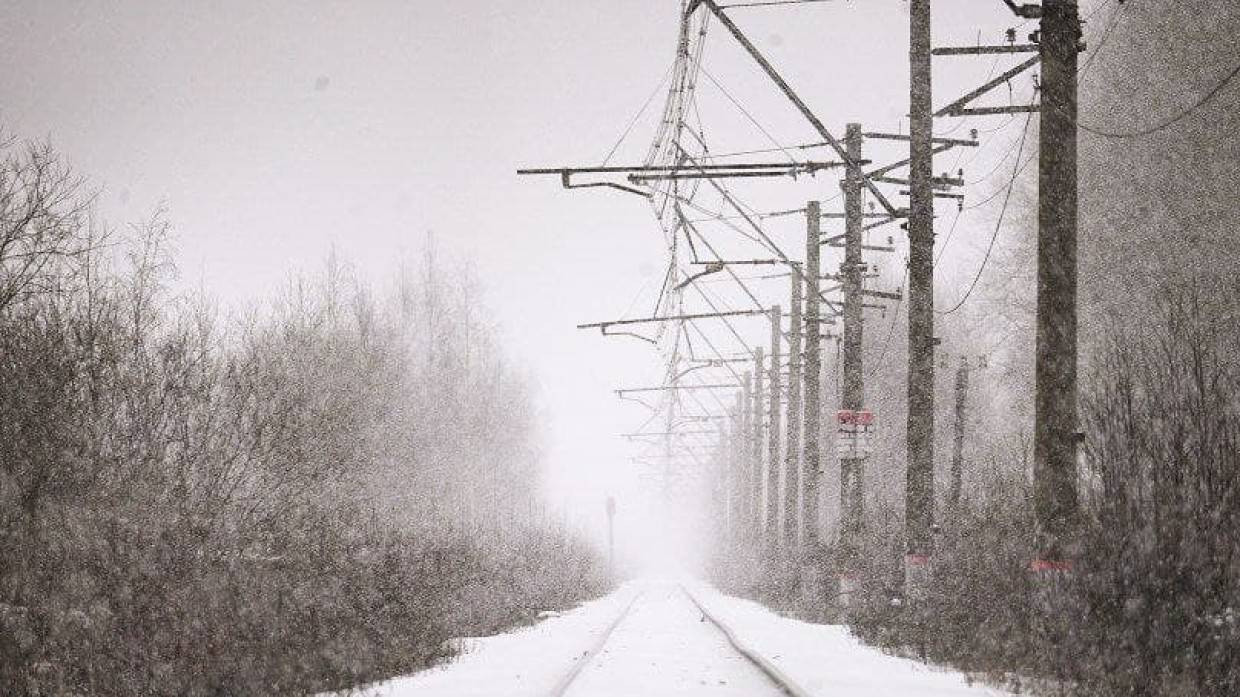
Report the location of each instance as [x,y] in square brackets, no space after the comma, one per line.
[306,499]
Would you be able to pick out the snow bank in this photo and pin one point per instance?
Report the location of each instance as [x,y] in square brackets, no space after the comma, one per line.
[828,660]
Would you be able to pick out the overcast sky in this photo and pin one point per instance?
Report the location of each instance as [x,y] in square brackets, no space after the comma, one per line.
[271,131]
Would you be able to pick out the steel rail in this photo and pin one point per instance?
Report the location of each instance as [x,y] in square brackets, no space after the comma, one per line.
[781,680]
[567,681]
[769,669]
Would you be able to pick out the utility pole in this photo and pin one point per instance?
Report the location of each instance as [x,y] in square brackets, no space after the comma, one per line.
[733,464]
[962,400]
[792,445]
[611,539]
[919,479]
[1055,372]
[745,459]
[724,462]
[810,470]
[853,393]
[773,503]
[755,481]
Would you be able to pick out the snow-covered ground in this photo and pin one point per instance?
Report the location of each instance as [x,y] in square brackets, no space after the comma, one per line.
[664,646]
[824,659]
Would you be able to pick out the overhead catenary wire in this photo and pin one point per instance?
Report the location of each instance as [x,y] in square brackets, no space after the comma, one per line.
[684,106]
[762,151]
[748,115]
[769,3]
[636,117]
[675,144]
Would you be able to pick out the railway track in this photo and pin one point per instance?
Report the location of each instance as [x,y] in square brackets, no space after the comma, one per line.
[567,681]
[776,678]
[781,680]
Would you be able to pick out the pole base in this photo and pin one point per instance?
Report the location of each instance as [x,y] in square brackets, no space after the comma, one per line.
[917,577]
[849,585]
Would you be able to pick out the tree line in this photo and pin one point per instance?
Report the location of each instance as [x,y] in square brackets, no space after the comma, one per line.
[308,496]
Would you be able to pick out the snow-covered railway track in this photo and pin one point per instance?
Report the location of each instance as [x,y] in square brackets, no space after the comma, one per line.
[763,664]
[566,682]
[668,648]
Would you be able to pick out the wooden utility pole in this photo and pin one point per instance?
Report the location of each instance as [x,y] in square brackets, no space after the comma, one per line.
[792,418]
[733,442]
[744,458]
[773,461]
[919,479]
[1055,488]
[755,482]
[810,466]
[852,398]
[962,401]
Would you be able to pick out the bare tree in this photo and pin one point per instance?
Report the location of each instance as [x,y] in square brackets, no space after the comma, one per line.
[43,212]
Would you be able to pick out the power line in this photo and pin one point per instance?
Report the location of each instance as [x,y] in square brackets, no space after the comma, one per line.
[1106,34]
[645,105]
[769,3]
[999,223]
[1002,161]
[996,192]
[761,151]
[948,238]
[1168,122]
[748,115]
[891,330]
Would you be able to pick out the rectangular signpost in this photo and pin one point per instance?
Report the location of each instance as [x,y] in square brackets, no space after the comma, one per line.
[854,433]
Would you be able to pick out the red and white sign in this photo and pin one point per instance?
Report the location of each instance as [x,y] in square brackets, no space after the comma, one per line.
[853,437]
[855,418]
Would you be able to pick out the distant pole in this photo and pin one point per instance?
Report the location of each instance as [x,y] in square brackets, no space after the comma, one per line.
[611,539]
[792,418]
[745,459]
[810,467]
[729,478]
[755,482]
[919,479]
[852,398]
[962,400]
[667,447]
[1055,371]
[773,502]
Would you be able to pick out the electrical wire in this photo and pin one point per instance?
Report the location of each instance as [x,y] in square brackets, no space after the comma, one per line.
[947,238]
[995,194]
[1116,15]
[761,151]
[1213,92]
[891,329]
[748,115]
[769,3]
[999,223]
[1001,161]
[645,105]
[961,122]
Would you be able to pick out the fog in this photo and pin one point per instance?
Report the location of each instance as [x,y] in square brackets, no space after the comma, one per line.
[271,133]
[346,173]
